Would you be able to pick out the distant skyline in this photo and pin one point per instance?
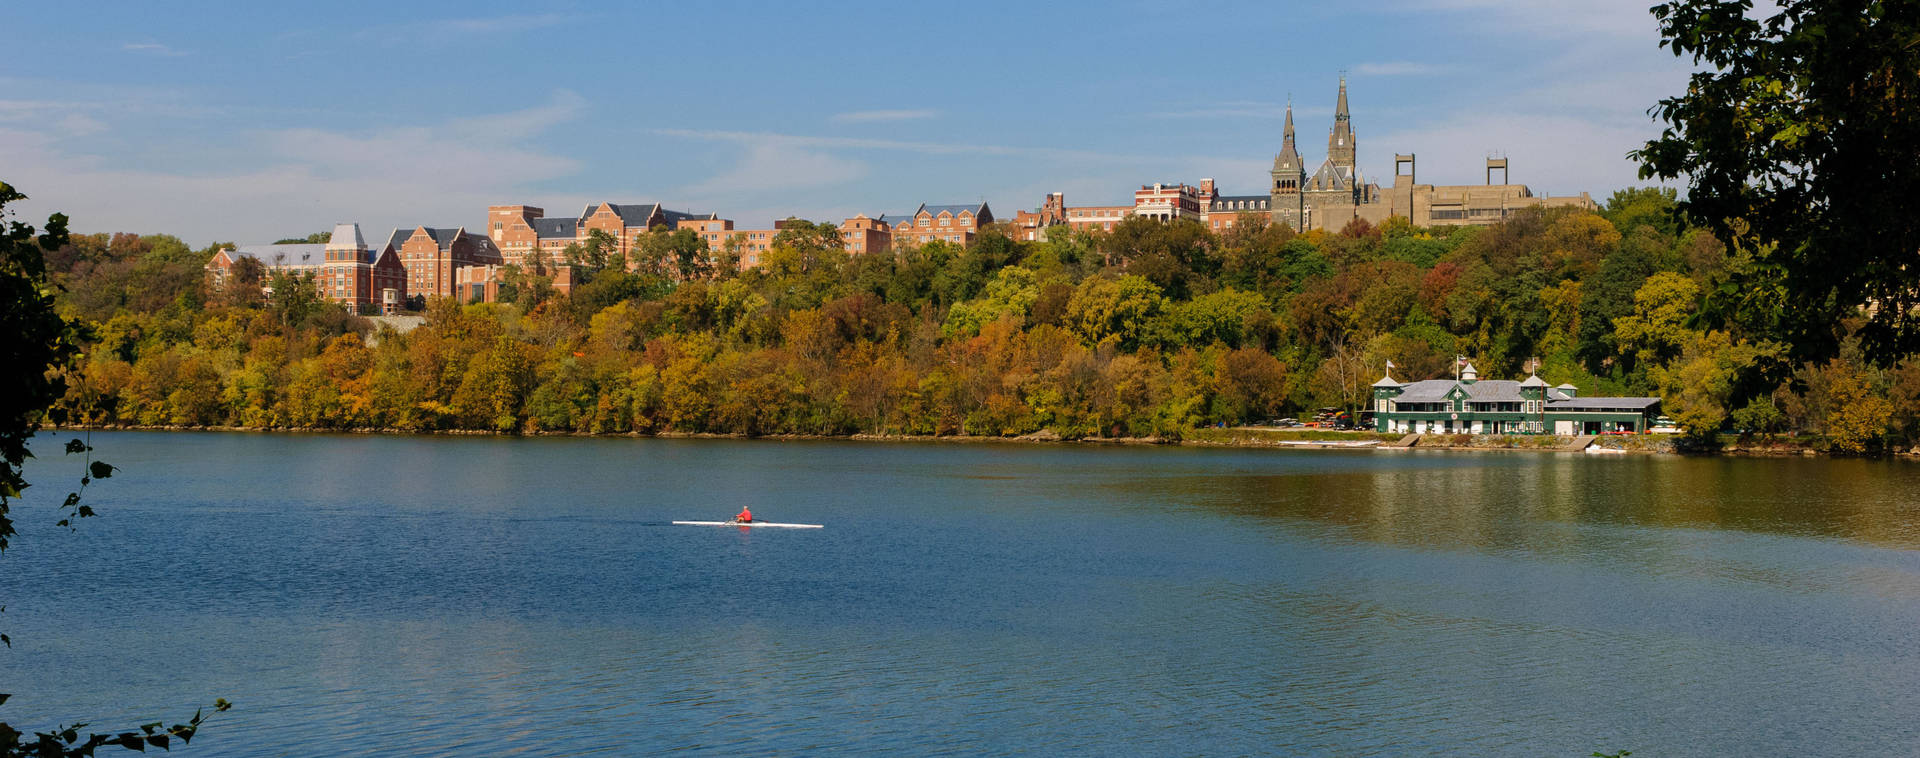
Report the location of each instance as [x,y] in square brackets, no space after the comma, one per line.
[249,123]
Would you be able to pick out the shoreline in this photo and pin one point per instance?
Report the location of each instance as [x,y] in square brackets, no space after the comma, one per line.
[1243,438]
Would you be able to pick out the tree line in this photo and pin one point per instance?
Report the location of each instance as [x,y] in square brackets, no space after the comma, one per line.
[1148,330]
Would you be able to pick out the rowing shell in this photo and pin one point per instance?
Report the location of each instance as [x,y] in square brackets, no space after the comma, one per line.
[750,523]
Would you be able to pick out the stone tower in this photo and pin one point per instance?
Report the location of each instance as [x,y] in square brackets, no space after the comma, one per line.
[1289,177]
[1340,143]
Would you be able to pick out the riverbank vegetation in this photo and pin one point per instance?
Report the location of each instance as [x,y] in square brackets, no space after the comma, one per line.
[1150,330]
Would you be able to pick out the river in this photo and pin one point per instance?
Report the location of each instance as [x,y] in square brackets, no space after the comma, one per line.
[367,595]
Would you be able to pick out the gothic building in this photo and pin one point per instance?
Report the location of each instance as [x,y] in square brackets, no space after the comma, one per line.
[1336,193]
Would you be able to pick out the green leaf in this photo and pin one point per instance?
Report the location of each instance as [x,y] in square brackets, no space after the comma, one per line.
[159,741]
[132,741]
[76,446]
[100,469]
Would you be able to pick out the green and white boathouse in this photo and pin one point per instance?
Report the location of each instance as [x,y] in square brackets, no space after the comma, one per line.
[1468,405]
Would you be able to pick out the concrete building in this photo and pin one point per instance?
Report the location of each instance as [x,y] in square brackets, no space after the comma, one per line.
[1468,405]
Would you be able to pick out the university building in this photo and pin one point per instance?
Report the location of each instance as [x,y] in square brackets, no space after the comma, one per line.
[1336,193]
[344,269]
[1469,405]
[958,224]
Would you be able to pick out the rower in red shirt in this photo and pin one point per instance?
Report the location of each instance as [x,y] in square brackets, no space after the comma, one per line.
[745,517]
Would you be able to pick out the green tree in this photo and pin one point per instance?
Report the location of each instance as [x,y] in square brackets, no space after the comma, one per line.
[1797,140]
[40,347]
[1656,330]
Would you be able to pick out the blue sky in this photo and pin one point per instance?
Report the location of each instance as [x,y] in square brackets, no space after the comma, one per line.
[253,121]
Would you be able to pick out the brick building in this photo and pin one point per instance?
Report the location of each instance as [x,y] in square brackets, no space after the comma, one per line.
[344,269]
[864,235]
[433,257]
[958,224]
[520,230]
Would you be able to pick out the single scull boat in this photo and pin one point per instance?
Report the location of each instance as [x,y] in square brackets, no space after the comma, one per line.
[749,523]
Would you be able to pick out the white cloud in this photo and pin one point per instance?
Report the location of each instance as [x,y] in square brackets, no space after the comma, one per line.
[861,117]
[775,165]
[1561,155]
[152,48]
[283,181]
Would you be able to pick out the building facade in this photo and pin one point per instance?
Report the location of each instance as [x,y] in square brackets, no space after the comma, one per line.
[1469,405]
[344,269]
[433,257]
[1336,193]
[958,224]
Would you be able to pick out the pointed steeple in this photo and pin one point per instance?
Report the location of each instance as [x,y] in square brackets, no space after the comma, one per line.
[1286,139]
[1289,178]
[1340,147]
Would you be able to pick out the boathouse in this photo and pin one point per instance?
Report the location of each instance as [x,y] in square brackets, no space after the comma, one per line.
[1468,405]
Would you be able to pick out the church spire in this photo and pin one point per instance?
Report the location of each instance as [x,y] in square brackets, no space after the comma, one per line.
[1286,138]
[1340,143]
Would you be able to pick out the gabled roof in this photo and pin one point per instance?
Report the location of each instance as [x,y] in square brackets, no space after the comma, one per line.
[977,209]
[444,237]
[896,219]
[1483,391]
[398,238]
[1330,177]
[631,216]
[1566,386]
[1533,381]
[1386,381]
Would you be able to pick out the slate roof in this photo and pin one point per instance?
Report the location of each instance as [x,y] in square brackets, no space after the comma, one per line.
[551,228]
[979,210]
[1252,202]
[301,254]
[673,218]
[1330,177]
[631,215]
[1596,403]
[893,219]
[444,237]
[398,238]
[1483,391]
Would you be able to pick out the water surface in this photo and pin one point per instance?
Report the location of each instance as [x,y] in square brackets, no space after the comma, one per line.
[386,595]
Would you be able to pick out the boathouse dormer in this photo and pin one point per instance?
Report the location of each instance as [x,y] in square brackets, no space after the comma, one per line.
[1384,391]
[1533,396]
[1469,375]
[1568,389]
